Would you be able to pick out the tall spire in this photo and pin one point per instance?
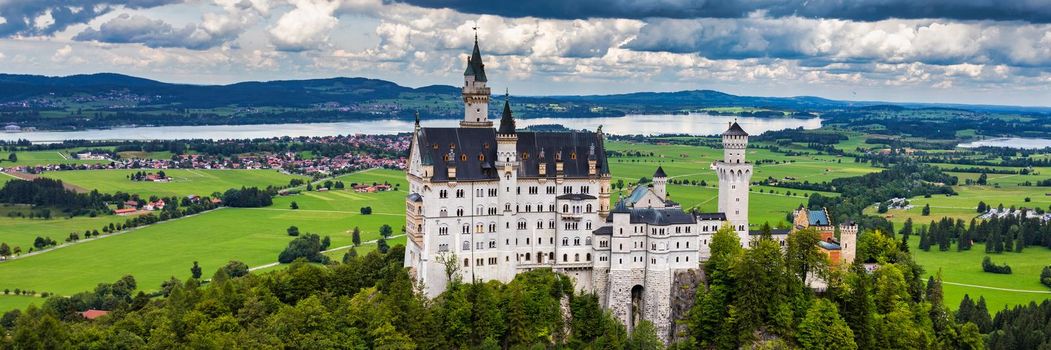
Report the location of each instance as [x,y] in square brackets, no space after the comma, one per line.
[507,121]
[475,66]
[417,118]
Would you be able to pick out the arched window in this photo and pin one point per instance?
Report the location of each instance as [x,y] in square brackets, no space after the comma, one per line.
[576,257]
[587,240]
[589,208]
[589,256]
[466,262]
[565,208]
[527,256]
[565,257]
[466,245]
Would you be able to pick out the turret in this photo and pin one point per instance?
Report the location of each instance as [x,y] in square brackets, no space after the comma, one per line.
[735,140]
[475,93]
[660,183]
[507,138]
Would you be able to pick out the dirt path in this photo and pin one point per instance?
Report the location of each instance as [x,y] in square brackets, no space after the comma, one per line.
[998,288]
[260,267]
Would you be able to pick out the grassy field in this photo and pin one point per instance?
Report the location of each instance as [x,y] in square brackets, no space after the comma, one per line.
[184,181]
[11,302]
[966,268]
[254,236]
[21,231]
[43,157]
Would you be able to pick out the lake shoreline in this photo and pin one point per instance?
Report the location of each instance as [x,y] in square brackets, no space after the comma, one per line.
[635,124]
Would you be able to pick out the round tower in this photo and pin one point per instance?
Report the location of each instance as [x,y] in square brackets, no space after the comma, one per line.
[735,177]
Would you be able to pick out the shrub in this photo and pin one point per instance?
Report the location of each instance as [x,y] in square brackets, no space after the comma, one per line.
[989,266]
[307,246]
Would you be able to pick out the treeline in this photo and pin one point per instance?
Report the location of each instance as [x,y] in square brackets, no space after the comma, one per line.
[755,297]
[902,180]
[51,193]
[802,136]
[368,303]
[1011,233]
[248,197]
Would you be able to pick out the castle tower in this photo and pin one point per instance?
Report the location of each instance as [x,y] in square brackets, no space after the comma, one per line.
[848,239]
[475,93]
[507,163]
[735,176]
[660,183]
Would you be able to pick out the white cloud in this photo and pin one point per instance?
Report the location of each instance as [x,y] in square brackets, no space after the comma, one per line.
[305,27]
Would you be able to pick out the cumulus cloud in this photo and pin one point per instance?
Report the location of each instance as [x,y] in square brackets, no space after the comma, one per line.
[46,17]
[860,10]
[306,26]
[139,29]
[820,42]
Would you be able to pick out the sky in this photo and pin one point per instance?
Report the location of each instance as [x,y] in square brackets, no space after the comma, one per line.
[949,51]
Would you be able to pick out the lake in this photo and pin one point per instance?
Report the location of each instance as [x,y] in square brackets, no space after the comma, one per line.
[1010,142]
[694,124]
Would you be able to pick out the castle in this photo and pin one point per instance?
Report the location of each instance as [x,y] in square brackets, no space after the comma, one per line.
[487,203]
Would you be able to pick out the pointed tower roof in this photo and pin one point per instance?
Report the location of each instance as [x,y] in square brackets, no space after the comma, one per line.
[735,130]
[659,172]
[507,122]
[475,66]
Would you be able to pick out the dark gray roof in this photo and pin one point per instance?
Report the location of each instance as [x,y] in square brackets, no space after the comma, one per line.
[435,144]
[576,196]
[660,172]
[658,217]
[507,122]
[604,231]
[475,66]
[620,207]
[711,216]
[735,130]
[415,197]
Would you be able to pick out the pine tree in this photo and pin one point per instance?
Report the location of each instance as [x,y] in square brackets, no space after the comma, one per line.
[356,236]
[823,328]
[926,210]
[195,270]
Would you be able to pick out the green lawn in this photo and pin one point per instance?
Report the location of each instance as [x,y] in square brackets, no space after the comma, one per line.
[253,235]
[10,302]
[43,157]
[966,268]
[184,181]
[21,231]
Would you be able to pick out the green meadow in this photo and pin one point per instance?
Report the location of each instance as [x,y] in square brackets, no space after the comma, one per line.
[21,232]
[43,157]
[253,235]
[184,181]
[966,268]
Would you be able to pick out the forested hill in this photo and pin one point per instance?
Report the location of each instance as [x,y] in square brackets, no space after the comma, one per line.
[107,100]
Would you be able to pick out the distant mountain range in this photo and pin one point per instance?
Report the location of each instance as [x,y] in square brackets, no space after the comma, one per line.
[108,99]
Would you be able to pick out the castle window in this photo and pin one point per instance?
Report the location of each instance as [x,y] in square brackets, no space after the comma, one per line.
[589,257]
[463,157]
[565,257]
[466,245]
[435,146]
[481,157]
[485,145]
[573,155]
[525,155]
[576,257]
[466,262]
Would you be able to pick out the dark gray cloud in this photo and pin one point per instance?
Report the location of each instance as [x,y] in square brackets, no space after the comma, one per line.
[125,29]
[20,16]
[1036,11]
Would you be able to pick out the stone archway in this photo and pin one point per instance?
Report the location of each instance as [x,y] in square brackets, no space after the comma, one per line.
[637,306]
